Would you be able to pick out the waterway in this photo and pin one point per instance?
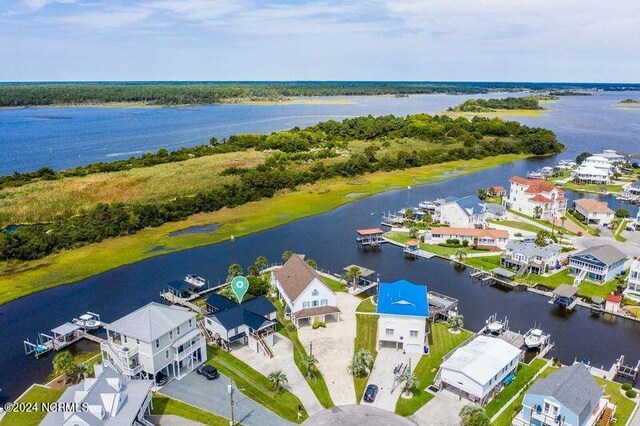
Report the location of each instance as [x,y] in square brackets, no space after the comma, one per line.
[584,124]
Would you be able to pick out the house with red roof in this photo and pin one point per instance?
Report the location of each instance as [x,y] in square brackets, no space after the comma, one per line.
[533,196]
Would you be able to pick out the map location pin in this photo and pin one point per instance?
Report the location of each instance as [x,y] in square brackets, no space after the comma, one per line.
[240,285]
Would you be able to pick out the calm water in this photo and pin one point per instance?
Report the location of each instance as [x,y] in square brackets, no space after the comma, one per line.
[585,123]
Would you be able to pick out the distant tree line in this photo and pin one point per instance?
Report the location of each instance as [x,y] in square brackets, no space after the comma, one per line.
[488,105]
[474,139]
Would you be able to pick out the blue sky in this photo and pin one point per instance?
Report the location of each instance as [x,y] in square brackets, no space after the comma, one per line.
[491,40]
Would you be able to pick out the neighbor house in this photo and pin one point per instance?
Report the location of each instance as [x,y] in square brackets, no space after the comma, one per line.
[497,191]
[536,198]
[612,156]
[462,212]
[107,399]
[631,189]
[493,211]
[599,264]
[403,310]
[486,237]
[595,212]
[594,170]
[480,368]
[304,293]
[155,339]
[250,323]
[568,397]
[528,257]
[633,283]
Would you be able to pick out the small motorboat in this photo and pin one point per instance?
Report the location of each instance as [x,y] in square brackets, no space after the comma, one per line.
[195,280]
[535,175]
[495,327]
[534,338]
[88,321]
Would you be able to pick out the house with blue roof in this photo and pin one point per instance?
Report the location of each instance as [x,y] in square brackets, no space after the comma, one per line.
[462,212]
[403,310]
[250,323]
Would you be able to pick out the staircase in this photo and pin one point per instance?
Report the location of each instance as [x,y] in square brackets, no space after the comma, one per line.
[118,363]
[523,270]
[207,336]
[264,345]
[605,420]
[581,276]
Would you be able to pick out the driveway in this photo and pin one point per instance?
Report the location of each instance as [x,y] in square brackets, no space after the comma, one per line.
[631,247]
[357,415]
[212,395]
[333,346]
[382,376]
[283,360]
[442,410]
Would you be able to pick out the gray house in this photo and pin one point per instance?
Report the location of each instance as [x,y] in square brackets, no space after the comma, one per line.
[528,257]
[567,397]
[598,264]
[107,399]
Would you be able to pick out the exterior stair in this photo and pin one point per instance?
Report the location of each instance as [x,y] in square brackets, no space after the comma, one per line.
[605,420]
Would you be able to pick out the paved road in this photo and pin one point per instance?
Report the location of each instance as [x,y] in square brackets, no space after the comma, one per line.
[382,376]
[212,395]
[357,415]
[442,410]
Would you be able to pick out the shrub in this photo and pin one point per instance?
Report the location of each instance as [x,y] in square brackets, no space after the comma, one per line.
[316,324]
[631,393]
[291,327]
[626,386]
[322,324]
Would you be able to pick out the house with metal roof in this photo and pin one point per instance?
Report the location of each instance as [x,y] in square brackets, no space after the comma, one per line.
[305,295]
[106,399]
[154,339]
[403,310]
[569,396]
[480,368]
[249,323]
[598,264]
[528,257]
[462,212]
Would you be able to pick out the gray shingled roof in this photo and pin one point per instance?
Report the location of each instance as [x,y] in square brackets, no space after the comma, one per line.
[530,249]
[150,321]
[573,387]
[495,208]
[606,253]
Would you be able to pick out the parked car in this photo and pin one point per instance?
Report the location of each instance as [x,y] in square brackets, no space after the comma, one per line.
[161,378]
[370,393]
[208,371]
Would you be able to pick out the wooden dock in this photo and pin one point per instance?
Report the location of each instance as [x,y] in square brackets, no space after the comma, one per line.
[172,296]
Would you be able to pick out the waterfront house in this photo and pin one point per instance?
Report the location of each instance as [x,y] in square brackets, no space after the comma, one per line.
[530,195]
[493,211]
[486,237]
[595,212]
[304,293]
[403,310]
[612,303]
[250,323]
[497,191]
[109,398]
[462,212]
[594,170]
[480,368]
[155,339]
[612,156]
[631,189]
[633,283]
[569,397]
[529,257]
[598,264]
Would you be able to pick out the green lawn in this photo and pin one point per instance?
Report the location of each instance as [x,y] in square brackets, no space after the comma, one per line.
[517,225]
[483,262]
[441,342]
[403,237]
[595,189]
[366,337]
[524,375]
[544,223]
[575,220]
[165,405]
[256,386]
[88,358]
[618,234]
[36,394]
[366,306]
[334,284]
[616,395]
[585,289]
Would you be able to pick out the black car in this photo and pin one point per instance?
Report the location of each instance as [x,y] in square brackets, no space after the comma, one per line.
[161,378]
[208,371]
[370,393]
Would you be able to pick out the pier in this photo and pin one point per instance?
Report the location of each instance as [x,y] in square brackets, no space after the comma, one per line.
[498,276]
[60,338]
[185,297]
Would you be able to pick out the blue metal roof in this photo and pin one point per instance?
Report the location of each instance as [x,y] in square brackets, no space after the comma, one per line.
[251,313]
[403,298]
[471,204]
[219,302]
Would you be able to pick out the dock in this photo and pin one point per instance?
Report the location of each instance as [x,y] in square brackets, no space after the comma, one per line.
[185,298]
[497,276]
[370,239]
[60,338]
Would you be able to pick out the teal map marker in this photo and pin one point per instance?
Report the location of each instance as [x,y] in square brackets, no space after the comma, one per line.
[240,285]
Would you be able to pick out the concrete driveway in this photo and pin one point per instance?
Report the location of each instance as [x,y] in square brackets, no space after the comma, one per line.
[442,410]
[333,346]
[283,360]
[212,395]
[631,247]
[382,376]
[357,415]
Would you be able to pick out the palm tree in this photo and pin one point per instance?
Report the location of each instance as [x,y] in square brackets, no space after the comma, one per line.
[353,274]
[262,262]
[286,255]
[63,364]
[278,379]
[468,411]
[234,271]
[456,322]
[411,381]
[253,270]
[312,263]
[80,372]
[461,254]
[408,213]
[309,362]
[413,232]
[362,363]
[537,212]
[563,219]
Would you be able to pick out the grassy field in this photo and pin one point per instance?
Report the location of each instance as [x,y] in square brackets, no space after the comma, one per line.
[544,223]
[163,405]
[334,284]
[585,289]
[616,395]
[18,279]
[256,386]
[403,237]
[89,358]
[366,337]
[592,188]
[517,225]
[36,394]
[483,262]
[441,342]
[366,306]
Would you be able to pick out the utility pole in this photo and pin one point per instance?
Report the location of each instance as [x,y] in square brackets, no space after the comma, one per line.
[310,348]
[230,389]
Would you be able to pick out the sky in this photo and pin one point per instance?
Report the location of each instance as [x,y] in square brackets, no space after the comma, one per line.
[409,40]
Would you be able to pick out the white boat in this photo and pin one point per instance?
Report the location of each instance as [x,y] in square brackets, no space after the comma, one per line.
[195,280]
[535,175]
[534,338]
[495,327]
[88,321]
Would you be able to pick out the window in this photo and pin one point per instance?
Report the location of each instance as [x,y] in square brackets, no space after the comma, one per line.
[166,354]
[124,339]
[157,343]
[413,333]
[305,305]
[323,302]
[137,341]
[315,292]
[314,303]
[170,334]
[178,331]
[190,323]
[551,409]
[389,332]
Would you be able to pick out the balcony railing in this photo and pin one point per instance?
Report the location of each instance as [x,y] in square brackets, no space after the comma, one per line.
[188,350]
[122,364]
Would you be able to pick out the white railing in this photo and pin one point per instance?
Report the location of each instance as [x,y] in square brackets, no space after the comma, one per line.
[121,364]
[179,356]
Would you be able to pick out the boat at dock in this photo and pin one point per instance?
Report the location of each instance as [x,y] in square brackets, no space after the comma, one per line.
[535,175]
[495,325]
[88,321]
[534,338]
[195,280]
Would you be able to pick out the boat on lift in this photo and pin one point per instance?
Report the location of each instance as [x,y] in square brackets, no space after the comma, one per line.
[88,321]
[495,327]
[534,338]
[195,280]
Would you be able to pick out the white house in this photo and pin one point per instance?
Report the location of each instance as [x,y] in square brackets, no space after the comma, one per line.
[403,310]
[594,211]
[109,398]
[592,175]
[633,283]
[152,339]
[303,291]
[486,237]
[598,264]
[479,369]
[529,257]
[462,212]
[612,156]
[530,195]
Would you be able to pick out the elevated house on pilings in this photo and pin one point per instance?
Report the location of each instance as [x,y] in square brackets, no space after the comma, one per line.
[370,239]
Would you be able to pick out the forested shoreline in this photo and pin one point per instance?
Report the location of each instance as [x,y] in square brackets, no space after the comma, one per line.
[511,103]
[297,158]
